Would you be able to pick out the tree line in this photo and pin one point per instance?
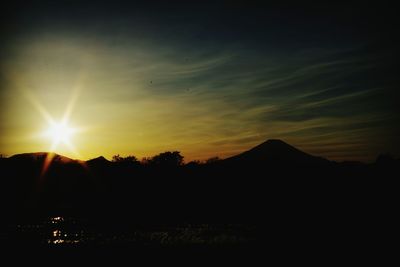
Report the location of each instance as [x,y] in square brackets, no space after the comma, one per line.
[167,159]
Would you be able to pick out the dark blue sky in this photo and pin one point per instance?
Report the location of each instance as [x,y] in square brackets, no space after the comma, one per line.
[207,77]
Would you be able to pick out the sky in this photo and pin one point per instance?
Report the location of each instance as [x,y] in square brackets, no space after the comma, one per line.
[204,78]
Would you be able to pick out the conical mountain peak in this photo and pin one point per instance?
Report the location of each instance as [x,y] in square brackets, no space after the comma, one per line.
[277,151]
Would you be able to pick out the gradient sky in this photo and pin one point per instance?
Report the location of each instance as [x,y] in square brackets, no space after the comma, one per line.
[207,79]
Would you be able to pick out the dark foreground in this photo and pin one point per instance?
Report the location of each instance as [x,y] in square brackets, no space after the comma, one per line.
[273,198]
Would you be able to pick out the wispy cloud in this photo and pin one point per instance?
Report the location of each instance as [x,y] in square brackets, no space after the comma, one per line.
[147,96]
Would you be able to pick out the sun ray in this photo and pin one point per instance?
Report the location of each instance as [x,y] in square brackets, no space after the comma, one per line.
[38,106]
[47,162]
[71,104]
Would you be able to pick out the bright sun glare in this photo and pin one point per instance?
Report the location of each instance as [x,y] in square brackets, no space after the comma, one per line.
[60,133]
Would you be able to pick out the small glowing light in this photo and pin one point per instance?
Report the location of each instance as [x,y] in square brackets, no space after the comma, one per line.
[56,233]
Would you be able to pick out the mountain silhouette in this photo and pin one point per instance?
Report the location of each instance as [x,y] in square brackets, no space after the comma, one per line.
[41,156]
[98,161]
[276,151]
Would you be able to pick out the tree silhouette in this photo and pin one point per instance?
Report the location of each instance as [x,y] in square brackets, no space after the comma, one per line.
[145,161]
[194,163]
[167,159]
[117,158]
[212,160]
[130,158]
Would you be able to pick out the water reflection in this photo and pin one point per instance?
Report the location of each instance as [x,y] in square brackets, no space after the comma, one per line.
[56,219]
[63,231]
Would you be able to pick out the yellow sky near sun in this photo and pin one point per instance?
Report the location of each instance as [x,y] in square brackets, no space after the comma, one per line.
[116,114]
[132,99]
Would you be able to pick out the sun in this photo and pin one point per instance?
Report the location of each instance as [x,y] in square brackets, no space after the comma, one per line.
[57,132]
[60,133]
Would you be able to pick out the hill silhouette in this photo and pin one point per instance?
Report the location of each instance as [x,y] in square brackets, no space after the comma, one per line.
[41,156]
[272,180]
